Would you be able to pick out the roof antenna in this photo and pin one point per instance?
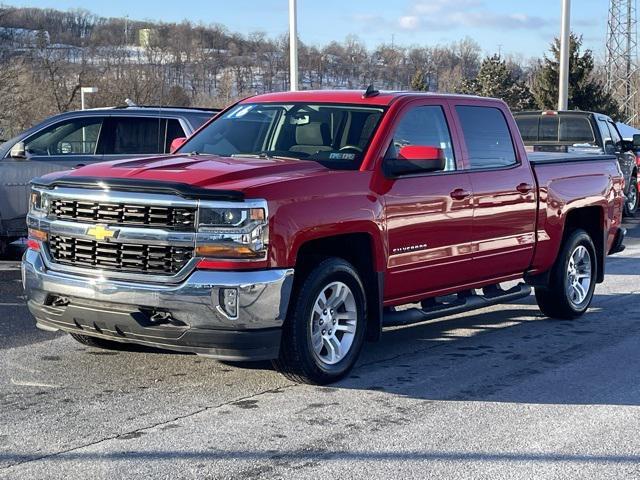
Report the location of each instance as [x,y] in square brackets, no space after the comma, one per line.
[370,92]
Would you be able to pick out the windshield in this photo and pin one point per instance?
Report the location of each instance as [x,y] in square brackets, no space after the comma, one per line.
[334,135]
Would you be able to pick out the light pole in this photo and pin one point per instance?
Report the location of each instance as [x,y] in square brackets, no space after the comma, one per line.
[84,90]
[293,46]
[565,32]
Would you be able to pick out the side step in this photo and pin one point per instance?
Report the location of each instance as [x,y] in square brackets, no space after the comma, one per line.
[464,302]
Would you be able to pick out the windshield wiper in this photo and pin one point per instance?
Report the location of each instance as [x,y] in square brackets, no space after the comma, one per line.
[262,155]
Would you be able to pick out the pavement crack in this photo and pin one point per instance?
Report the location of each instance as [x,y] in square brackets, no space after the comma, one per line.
[132,433]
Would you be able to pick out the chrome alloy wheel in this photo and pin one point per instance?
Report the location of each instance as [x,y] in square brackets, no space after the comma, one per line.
[579,275]
[632,196]
[334,320]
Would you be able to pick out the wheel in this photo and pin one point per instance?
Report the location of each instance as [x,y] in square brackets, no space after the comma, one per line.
[325,327]
[572,281]
[633,199]
[96,342]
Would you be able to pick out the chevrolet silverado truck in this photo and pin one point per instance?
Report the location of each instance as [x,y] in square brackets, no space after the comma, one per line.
[293,225]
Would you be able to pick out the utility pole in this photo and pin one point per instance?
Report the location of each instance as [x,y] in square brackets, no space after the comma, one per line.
[565,33]
[293,46]
[83,91]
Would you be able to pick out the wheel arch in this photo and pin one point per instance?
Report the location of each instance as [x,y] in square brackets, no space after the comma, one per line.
[591,220]
[359,249]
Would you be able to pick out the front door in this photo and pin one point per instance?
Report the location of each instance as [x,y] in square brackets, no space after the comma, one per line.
[428,215]
[62,146]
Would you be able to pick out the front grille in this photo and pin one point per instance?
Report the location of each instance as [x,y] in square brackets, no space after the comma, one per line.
[176,218]
[119,256]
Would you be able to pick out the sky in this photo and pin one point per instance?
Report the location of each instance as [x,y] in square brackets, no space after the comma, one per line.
[518,27]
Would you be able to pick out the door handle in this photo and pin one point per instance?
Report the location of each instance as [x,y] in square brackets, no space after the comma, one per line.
[524,188]
[460,194]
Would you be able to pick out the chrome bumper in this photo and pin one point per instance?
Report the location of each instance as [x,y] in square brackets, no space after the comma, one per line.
[119,310]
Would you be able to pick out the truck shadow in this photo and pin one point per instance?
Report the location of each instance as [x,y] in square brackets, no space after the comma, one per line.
[514,354]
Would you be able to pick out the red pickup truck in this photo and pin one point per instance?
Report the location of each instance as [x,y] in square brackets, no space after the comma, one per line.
[292,226]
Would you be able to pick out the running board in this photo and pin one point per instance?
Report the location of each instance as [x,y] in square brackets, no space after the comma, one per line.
[466,301]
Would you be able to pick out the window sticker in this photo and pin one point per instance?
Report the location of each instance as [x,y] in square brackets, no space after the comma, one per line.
[342,156]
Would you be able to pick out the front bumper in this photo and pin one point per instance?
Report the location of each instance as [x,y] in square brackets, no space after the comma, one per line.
[183,317]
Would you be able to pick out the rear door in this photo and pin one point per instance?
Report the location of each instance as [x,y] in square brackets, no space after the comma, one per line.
[64,145]
[126,137]
[428,215]
[504,193]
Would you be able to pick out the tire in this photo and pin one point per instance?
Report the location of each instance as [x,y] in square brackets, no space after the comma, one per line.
[559,301]
[633,199]
[309,324]
[96,342]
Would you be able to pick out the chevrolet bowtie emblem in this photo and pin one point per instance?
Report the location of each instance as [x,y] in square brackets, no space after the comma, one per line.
[100,232]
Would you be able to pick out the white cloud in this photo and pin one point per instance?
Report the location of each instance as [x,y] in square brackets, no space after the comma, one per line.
[409,22]
[445,14]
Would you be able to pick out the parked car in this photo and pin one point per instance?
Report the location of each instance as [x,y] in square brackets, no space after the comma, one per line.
[577,131]
[290,226]
[73,139]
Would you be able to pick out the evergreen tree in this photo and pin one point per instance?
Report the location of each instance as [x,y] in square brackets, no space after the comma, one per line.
[495,79]
[585,91]
[418,82]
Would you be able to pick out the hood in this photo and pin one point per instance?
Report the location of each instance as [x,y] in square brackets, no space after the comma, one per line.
[206,171]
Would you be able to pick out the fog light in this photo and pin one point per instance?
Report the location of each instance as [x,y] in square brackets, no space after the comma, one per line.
[228,299]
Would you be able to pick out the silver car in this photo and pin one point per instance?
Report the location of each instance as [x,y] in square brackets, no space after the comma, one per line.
[78,138]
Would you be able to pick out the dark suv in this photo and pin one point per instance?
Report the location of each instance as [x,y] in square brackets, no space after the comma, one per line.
[576,131]
[77,138]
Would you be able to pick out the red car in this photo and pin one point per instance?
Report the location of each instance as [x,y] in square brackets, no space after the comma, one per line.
[290,226]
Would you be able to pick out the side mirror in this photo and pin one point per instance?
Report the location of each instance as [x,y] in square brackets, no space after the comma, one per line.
[177,143]
[636,140]
[416,159]
[18,151]
[627,146]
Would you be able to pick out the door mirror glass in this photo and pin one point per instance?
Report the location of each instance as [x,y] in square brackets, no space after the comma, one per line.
[177,143]
[413,159]
[18,151]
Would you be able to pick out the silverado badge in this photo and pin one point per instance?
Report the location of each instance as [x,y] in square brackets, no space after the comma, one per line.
[101,232]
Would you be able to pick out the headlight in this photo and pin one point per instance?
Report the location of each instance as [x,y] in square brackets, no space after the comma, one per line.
[38,201]
[233,231]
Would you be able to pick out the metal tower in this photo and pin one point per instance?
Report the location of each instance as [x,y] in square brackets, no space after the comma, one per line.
[622,57]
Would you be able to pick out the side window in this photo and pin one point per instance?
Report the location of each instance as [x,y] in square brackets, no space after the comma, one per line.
[424,126]
[174,130]
[487,136]
[604,131]
[133,136]
[615,136]
[74,137]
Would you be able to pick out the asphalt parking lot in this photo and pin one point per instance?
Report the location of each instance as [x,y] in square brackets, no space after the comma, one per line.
[499,393]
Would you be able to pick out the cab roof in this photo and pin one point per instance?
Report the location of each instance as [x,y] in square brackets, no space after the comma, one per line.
[383,98]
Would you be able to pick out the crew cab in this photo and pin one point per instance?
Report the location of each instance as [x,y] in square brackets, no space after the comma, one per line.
[293,225]
[579,131]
